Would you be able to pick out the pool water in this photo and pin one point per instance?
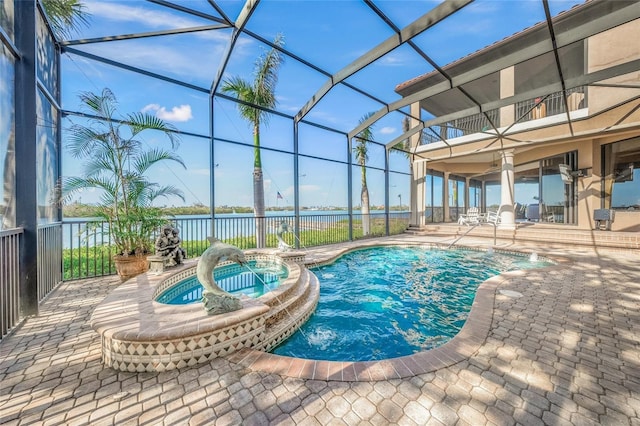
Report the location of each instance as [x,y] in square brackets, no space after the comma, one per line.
[253,280]
[386,302]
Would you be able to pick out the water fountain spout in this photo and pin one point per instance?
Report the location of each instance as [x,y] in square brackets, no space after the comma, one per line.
[259,277]
[533,257]
[214,299]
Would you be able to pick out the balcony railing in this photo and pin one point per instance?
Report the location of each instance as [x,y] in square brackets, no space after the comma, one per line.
[469,125]
[553,104]
[476,123]
[88,250]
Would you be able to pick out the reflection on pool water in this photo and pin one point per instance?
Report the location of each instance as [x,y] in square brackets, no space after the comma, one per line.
[386,302]
[253,279]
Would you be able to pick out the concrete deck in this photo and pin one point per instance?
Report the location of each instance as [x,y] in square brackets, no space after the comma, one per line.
[567,352]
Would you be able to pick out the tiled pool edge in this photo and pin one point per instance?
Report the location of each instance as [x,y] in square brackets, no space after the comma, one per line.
[139,334]
[461,347]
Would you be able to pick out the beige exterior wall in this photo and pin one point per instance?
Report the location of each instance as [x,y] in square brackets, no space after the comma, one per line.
[507,88]
[613,47]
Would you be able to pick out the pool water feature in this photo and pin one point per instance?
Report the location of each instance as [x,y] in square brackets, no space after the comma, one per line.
[253,280]
[138,333]
[386,302]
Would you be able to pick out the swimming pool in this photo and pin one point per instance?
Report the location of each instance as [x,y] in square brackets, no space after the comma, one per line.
[386,302]
[253,279]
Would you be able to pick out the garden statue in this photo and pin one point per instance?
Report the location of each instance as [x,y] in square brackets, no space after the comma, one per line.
[216,300]
[175,241]
[168,245]
[282,228]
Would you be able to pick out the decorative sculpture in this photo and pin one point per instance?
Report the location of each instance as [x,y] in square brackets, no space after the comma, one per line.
[282,228]
[168,246]
[216,300]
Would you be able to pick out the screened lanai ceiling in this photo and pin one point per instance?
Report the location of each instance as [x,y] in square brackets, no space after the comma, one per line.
[344,59]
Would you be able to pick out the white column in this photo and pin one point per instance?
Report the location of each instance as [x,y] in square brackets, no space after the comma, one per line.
[417,193]
[418,174]
[507,187]
[445,192]
[467,198]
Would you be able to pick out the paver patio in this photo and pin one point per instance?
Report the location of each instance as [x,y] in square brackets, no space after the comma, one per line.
[566,352]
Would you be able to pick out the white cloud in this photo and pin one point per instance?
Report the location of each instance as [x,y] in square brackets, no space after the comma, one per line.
[157,19]
[136,13]
[177,113]
[392,59]
[387,130]
[199,172]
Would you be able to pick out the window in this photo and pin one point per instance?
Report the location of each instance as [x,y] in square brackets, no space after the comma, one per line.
[621,172]
[475,193]
[7,140]
[433,197]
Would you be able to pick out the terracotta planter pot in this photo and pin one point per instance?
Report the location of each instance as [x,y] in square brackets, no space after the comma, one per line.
[130,266]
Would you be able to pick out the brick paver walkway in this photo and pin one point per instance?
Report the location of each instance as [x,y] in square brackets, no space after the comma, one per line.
[566,352]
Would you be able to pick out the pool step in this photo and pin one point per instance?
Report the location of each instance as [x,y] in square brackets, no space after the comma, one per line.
[289,314]
[537,233]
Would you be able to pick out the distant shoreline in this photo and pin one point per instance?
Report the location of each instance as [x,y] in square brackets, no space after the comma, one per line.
[77,210]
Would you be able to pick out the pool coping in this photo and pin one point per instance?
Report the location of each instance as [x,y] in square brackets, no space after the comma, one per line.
[462,346]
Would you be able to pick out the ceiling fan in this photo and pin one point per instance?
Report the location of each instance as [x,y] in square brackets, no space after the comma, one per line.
[494,167]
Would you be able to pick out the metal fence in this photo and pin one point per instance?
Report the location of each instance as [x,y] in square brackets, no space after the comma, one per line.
[49,258]
[9,279]
[88,250]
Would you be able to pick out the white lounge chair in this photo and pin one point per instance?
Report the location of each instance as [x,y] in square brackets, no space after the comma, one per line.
[472,217]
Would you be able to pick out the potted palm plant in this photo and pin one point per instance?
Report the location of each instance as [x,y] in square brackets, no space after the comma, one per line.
[115,163]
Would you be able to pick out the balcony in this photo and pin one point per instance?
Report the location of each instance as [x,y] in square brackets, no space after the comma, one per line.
[526,111]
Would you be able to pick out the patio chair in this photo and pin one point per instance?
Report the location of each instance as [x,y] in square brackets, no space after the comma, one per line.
[472,217]
[546,215]
[494,217]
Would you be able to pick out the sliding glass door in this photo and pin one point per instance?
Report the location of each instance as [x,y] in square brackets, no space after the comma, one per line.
[557,199]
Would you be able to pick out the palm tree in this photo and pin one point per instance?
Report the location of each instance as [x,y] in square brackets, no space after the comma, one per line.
[360,150]
[405,148]
[260,92]
[65,15]
[115,164]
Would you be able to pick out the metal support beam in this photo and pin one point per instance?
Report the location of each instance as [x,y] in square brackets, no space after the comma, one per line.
[143,35]
[239,25]
[386,192]
[212,167]
[624,12]
[350,187]
[426,21]
[188,11]
[584,80]
[25,153]
[296,183]
[556,56]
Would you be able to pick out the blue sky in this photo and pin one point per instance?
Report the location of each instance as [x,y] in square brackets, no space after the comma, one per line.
[329,34]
